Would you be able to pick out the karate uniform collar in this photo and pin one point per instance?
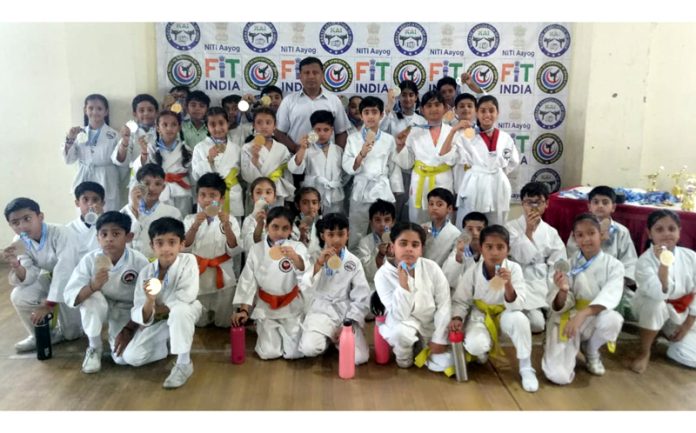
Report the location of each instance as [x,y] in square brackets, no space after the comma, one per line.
[364,130]
[29,242]
[92,141]
[143,210]
[579,268]
[436,231]
[162,146]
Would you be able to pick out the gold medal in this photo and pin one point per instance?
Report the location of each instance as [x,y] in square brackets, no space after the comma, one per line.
[154,286]
[448,117]
[371,136]
[312,137]
[177,108]
[334,263]
[102,262]
[275,253]
[259,140]
[666,257]
[212,209]
[243,106]
[469,133]
[265,100]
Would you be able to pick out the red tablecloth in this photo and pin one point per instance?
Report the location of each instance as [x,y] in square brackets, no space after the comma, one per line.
[561,212]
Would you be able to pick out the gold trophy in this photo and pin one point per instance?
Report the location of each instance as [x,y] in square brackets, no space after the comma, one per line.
[653,179]
[689,198]
[677,189]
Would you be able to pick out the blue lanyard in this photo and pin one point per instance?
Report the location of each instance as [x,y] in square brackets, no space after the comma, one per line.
[612,231]
[42,242]
[143,210]
[327,270]
[406,267]
[426,126]
[468,252]
[575,271]
[92,141]
[378,240]
[435,231]
[162,146]
[364,134]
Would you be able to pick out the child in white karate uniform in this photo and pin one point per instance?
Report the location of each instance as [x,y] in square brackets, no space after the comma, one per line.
[89,198]
[170,314]
[102,287]
[308,202]
[271,280]
[664,301]
[214,242]
[416,298]
[582,306]
[263,195]
[373,247]
[91,147]
[488,299]
[335,295]
[535,246]
[143,210]
[442,234]
[465,254]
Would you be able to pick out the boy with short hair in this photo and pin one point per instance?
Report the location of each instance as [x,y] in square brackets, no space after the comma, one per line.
[39,273]
[442,235]
[465,255]
[536,247]
[143,210]
[194,129]
[102,288]
[370,156]
[238,131]
[169,313]
[214,240]
[372,249]
[89,198]
[275,94]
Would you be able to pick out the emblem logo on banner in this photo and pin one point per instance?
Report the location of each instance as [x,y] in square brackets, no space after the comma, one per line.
[552,77]
[410,70]
[260,72]
[447,40]
[547,149]
[373,34]
[338,75]
[484,74]
[520,32]
[183,36]
[410,38]
[336,38]
[298,33]
[554,40]
[549,113]
[550,177]
[184,70]
[483,39]
[260,37]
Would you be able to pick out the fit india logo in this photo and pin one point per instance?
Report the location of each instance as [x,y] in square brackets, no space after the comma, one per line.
[336,38]
[183,36]
[484,74]
[554,40]
[184,70]
[410,70]
[338,75]
[483,39]
[550,177]
[260,72]
[549,113]
[547,148]
[410,38]
[260,37]
[552,77]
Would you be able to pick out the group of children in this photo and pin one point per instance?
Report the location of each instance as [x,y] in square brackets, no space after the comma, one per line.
[215,230]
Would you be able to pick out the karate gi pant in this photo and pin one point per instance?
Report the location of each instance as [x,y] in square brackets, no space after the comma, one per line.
[537,322]
[655,316]
[402,338]
[25,299]
[359,216]
[97,310]
[217,308]
[150,342]
[514,324]
[318,329]
[558,362]
[278,337]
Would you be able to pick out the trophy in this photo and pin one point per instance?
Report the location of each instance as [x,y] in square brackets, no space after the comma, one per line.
[653,179]
[677,189]
[689,193]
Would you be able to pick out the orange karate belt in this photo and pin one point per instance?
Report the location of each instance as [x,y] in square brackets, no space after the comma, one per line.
[681,304]
[204,264]
[177,178]
[278,301]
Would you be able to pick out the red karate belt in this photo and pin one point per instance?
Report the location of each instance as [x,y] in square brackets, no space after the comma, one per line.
[177,178]
[681,304]
[204,264]
[278,301]
[492,141]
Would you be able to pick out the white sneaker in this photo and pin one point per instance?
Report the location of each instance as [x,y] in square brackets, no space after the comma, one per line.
[404,363]
[179,375]
[26,345]
[529,380]
[92,361]
[595,366]
[482,359]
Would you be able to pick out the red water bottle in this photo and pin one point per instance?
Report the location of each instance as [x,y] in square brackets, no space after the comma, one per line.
[346,351]
[237,344]
[381,345]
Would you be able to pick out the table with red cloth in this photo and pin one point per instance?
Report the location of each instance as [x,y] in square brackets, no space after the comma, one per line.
[561,211]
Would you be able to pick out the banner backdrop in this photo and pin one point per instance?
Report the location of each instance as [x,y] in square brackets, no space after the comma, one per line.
[524,65]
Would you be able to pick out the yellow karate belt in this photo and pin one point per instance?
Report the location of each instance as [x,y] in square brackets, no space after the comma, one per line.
[422,358]
[231,180]
[278,172]
[580,304]
[492,322]
[429,172]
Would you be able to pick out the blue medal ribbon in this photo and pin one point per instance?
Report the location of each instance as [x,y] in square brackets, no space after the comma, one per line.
[364,134]
[579,269]
[143,210]
[162,146]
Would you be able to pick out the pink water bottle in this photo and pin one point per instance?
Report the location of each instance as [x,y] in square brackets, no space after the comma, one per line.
[238,344]
[381,345]
[346,351]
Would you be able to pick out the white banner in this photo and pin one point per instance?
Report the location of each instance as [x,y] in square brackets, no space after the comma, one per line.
[524,65]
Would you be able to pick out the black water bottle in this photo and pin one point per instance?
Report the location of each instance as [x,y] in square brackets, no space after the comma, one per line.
[42,332]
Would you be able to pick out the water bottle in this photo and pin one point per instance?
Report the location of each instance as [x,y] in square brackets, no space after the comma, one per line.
[42,332]
[381,345]
[456,339]
[237,344]
[346,351]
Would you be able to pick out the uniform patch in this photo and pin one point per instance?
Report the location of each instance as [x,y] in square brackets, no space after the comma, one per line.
[129,277]
[349,266]
[110,135]
[285,265]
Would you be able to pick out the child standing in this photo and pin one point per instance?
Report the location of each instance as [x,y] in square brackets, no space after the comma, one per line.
[492,156]
[372,249]
[89,198]
[353,111]
[270,279]
[335,294]
[265,157]
[263,196]
[92,147]
[308,202]
[320,162]
[168,315]
[664,300]
[103,292]
[536,246]
[465,255]
[370,156]
[489,299]
[442,234]
[194,130]
[238,131]
[416,296]
[582,306]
